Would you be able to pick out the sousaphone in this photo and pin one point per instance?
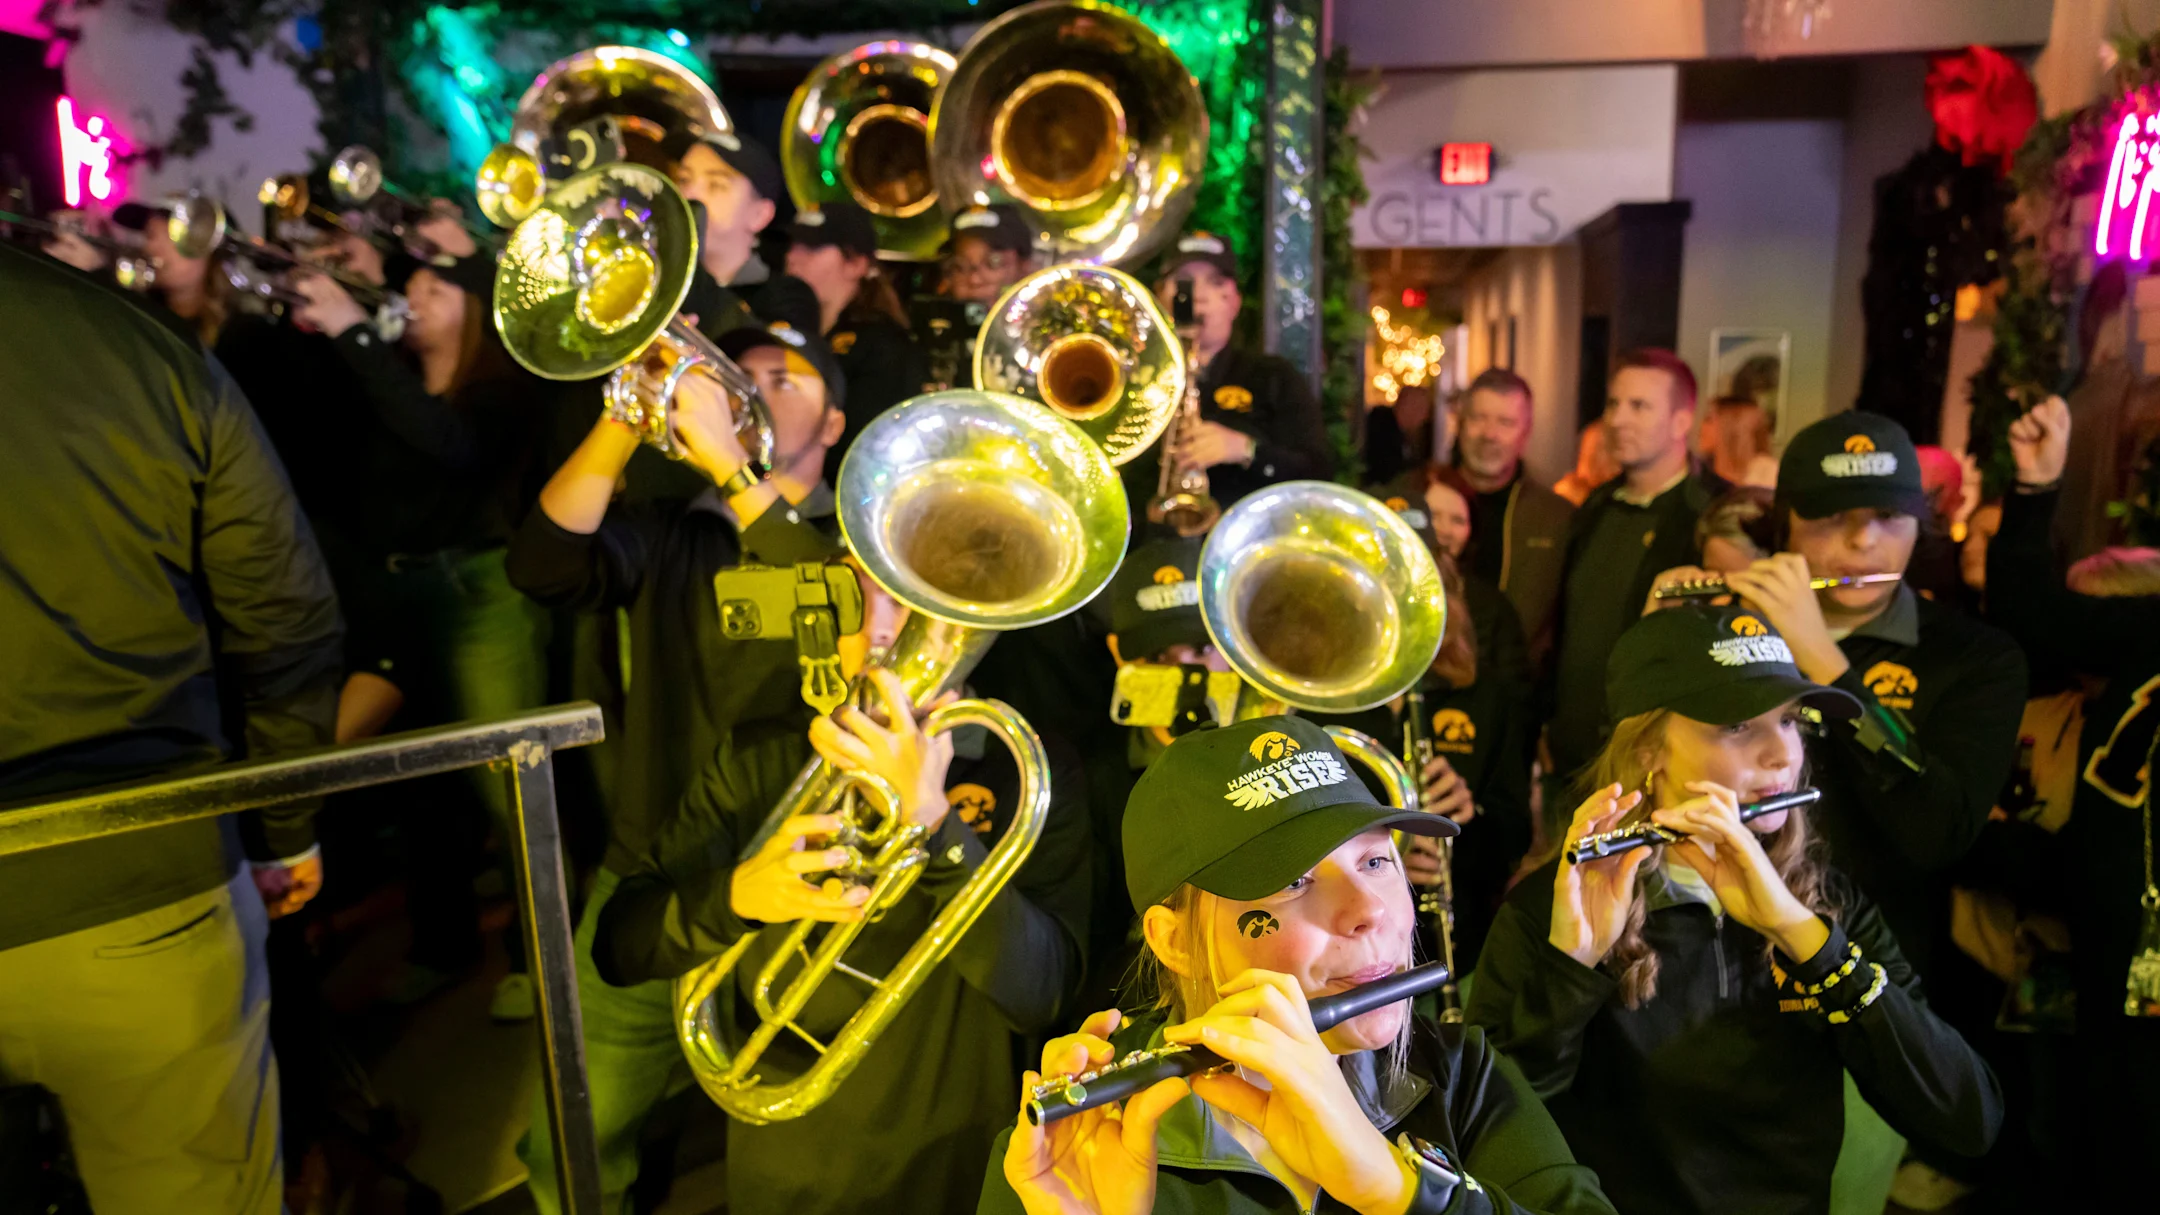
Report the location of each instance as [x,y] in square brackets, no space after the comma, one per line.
[1089,344]
[858,130]
[1082,116]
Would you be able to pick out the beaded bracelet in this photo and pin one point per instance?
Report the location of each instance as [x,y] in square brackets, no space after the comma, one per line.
[1835,977]
[1875,989]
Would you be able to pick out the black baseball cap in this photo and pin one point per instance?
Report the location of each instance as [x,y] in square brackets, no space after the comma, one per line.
[1720,666]
[839,224]
[1201,247]
[740,152]
[1851,460]
[136,217]
[737,342]
[1243,810]
[1000,227]
[474,275]
[1155,599]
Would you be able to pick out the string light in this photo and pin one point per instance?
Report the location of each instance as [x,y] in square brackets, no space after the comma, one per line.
[1407,355]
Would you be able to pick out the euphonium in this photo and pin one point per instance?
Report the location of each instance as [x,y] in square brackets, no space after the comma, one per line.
[590,283]
[981,513]
[1321,598]
[1089,343]
[858,130]
[1083,117]
[642,97]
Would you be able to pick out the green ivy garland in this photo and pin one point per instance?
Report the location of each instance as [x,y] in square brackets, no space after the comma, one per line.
[1342,320]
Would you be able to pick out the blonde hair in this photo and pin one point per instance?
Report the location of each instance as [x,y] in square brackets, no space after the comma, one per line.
[1629,761]
[1153,986]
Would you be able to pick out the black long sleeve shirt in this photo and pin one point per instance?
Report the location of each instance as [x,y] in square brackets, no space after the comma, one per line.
[162,601]
[1261,395]
[1723,1092]
[685,682]
[921,1109]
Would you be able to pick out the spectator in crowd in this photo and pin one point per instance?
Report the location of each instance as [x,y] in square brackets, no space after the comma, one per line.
[1523,526]
[154,571]
[1399,434]
[1737,529]
[1593,465]
[1735,443]
[1627,531]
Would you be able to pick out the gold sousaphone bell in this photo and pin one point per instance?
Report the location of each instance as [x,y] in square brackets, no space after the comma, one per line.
[648,95]
[1090,344]
[858,130]
[1083,117]
[590,284]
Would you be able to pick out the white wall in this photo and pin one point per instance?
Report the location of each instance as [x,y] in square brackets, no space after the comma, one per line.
[1541,289]
[1762,244]
[1491,33]
[127,67]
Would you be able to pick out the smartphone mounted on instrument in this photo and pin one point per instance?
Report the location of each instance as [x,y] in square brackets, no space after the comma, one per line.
[1179,699]
[815,603]
[1182,317]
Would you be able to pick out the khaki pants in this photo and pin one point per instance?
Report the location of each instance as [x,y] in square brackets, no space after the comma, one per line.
[154,1033]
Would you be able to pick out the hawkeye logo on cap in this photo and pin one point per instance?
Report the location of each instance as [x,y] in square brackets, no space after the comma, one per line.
[1860,459]
[1200,242]
[979,218]
[726,139]
[1171,590]
[1754,643]
[1453,730]
[1234,398]
[1288,769]
[786,333]
[1892,683]
[811,219]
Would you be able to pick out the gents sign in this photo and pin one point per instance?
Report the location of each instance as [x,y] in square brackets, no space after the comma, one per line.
[1576,141]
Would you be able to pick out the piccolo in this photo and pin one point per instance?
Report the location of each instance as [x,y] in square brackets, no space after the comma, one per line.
[1705,588]
[1643,834]
[1141,1070]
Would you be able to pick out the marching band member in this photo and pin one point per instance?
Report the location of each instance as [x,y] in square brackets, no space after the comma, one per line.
[1259,420]
[918,1114]
[834,250]
[1266,875]
[990,249]
[1908,785]
[737,184]
[1690,1013]
[585,549]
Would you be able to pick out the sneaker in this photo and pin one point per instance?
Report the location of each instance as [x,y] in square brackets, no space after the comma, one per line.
[513,999]
[1921,1188]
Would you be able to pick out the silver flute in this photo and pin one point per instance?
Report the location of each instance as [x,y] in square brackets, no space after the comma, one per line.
[1644,834]
[1706,588]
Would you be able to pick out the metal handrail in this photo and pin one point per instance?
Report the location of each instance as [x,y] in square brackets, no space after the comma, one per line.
[521,747]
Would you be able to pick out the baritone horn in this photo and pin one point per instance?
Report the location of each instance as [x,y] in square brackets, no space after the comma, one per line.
[981,513]
[1321,598]
[858,130]
[602,103]
[1089,344]
[590,284]
[1083,117]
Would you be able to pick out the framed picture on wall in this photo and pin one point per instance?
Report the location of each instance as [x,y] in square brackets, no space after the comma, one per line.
[1751,363]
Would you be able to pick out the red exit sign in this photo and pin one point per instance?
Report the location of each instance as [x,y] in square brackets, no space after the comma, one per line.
[1465,164]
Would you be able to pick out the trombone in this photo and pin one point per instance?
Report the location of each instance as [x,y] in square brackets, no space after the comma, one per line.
[981,513]
[591,283]
[1089,344]
[858,130]
[131,269]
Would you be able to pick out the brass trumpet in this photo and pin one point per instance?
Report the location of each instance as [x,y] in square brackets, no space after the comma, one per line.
[1090,344]
[131,270]
[198,227]
[590,283]
[858,130]
[1083,117]
[981,513]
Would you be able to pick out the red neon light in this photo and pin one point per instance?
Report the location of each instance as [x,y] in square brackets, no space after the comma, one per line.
[1465,164]
[2133,178]
[1413,297]
[86,155]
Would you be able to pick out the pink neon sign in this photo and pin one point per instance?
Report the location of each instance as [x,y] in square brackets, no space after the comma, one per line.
[86,155]
[2133,178]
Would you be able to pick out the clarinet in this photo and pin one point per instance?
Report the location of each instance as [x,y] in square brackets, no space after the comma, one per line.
[1644,834]
[1435,903]
[1140,1070]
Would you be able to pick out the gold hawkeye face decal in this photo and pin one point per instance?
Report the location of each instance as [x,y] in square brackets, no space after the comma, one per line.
[1273,745]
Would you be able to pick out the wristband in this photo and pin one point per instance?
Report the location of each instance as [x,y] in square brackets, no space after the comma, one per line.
[742,482]
[2050,487]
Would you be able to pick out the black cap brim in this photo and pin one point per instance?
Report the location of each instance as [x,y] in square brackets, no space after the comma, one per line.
[136,216]
[1277,857]
[1742,700]
[1830,500]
